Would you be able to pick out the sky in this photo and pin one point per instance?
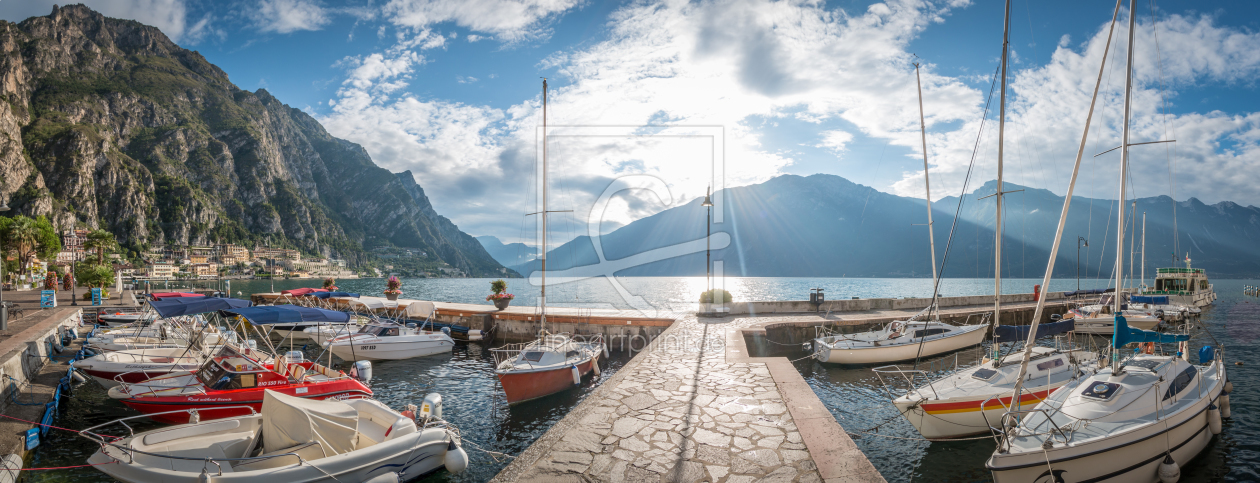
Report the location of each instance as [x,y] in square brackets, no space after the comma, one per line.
[731,93]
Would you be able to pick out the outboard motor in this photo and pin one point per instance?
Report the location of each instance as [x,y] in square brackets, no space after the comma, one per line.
[295,357]
[430,408]
[447,331]
[362,370]
[411,325]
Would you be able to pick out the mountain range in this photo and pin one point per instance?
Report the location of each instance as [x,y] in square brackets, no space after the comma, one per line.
[826,226]
[109,124]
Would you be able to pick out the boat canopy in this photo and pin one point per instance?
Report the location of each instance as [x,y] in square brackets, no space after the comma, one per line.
[1125,335]
[287,314]
[175,307]
[301,291]
[288,421]
[1149,299]
[172,295]
[324,295]
[1018,333]
[1094,291]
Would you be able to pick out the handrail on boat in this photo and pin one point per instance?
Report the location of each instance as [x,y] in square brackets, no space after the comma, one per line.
[907,374]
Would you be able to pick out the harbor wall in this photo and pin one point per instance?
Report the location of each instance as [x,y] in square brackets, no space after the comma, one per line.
[620,333]
[855,305]
[25,366]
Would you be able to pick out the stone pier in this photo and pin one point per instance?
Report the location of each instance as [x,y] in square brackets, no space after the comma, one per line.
[694,407]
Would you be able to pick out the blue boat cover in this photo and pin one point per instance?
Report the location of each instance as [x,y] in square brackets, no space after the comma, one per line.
[324,295]
[1125,335]
[287,314]
[1094,291]
[195,305]
[1149,299]
[1019,333]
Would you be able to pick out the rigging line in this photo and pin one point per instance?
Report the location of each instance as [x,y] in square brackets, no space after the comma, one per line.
[1170,160]
[936,285]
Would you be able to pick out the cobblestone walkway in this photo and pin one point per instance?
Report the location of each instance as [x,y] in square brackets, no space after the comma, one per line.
[679,412]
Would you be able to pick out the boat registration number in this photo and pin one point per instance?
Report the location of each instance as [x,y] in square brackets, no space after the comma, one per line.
[367,347]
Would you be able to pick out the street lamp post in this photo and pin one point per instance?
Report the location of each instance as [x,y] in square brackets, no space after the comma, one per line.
[74,297]
[1079,239]
[4,309]
[708,223]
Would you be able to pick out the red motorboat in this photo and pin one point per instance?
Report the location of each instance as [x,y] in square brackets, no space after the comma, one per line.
[545,366]
[232,378]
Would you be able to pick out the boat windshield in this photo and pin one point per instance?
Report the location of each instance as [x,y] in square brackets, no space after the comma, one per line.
[379,330]
[229,370]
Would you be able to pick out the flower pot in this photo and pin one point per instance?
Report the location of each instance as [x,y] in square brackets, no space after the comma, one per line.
[391,296]
[502,303]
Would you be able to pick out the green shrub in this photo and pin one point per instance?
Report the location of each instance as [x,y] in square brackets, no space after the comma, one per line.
[720,295]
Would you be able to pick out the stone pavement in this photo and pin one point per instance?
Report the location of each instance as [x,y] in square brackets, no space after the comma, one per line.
[692,409]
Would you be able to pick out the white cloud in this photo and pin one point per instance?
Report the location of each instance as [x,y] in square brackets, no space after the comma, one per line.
[507,20]
[835,140]
[286,16]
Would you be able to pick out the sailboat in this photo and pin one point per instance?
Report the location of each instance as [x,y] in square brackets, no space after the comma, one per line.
[903,339]
[966,402]
[1132,421]
[552,362]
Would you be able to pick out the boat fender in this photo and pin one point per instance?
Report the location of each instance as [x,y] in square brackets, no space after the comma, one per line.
[204,477]
[362,370]
[77,377]
[1169,471]
[595,365]
[1223,402]
[194,417]
[1214,419]
[456,459]
[386,477]
[577,375]
[1229,386]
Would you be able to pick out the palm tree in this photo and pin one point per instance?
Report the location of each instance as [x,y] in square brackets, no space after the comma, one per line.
[24,236]
[99,240]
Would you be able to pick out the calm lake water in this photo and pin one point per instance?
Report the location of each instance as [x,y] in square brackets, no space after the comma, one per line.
[474,403]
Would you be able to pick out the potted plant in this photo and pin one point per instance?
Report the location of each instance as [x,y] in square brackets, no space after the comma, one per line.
[500,297]
[67,282]
[331,285]
[50,280]
[713,302]
[393,287]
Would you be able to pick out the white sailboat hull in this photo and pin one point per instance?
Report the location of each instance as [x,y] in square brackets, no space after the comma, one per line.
[1107,325]
[839,353]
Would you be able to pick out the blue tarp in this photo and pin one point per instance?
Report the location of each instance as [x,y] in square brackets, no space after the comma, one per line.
[324,295]
[1125,335]
[1095,291]
[195,305]
[1019,333]
[287,314]
[1149,299]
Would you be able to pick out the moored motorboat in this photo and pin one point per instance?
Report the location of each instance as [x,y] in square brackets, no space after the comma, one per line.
[387,340]
[545,366]
[290,439]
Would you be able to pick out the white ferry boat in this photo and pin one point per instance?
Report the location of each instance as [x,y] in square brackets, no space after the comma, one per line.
[1183,286]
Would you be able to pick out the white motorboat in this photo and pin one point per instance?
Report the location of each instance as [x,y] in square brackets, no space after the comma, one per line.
[1127,423]
[325,333]
[898,341]
[386,340]
[291,439]
[119,319]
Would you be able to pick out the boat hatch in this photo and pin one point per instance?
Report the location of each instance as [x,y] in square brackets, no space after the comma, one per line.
[1181,382]
[1148,364]
[1101,390]
[531,356]
[984,374]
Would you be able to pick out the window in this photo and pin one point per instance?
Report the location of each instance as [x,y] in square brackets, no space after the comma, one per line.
[928,332]
[533,356]
[1045,366]
[1182,381]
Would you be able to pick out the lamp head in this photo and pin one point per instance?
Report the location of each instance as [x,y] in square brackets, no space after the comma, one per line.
[707,201]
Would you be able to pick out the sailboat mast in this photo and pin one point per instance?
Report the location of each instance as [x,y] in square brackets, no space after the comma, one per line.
[927,180]
[542,299]
[997,244]
[1058,234]
[1143,282]
[1124,159]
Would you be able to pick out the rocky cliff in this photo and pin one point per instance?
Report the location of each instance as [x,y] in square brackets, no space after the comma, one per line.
[107,123]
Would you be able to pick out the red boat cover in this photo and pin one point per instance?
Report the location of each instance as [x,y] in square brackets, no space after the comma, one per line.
[172,295]
[297,292]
